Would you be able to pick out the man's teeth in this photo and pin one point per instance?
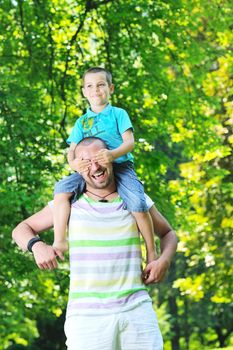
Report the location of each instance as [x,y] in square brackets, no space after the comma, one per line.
[99,174]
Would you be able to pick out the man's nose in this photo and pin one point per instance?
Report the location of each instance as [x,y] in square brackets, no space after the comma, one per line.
[94,165]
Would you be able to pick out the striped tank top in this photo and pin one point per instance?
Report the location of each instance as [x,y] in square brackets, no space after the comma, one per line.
[105,259]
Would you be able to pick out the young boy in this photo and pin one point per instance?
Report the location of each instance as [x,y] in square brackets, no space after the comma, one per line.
[112,125]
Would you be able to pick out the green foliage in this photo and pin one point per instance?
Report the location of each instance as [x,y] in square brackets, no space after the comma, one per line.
[172,69]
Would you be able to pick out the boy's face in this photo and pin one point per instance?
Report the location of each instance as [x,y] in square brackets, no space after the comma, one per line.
[97,90]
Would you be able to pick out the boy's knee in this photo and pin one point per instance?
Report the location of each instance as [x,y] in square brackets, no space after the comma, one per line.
[57,188]
[137,205]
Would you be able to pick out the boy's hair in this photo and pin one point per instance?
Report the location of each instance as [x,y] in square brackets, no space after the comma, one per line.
[99,70]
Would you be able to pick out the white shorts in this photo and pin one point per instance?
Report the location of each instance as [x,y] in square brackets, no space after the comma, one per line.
[136,329]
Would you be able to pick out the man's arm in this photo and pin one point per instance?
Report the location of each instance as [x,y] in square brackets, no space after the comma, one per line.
[156,270]
[45,255]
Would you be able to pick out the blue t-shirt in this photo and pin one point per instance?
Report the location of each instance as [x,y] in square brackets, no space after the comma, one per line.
[109,125]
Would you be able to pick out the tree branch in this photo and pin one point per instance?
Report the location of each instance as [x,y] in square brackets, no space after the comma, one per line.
[21,15]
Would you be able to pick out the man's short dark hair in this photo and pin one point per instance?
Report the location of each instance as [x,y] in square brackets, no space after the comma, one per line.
[99,70]
[91,139]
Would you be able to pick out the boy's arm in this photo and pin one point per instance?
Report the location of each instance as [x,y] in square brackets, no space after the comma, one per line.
[107,156]
[126,146]
[45,255]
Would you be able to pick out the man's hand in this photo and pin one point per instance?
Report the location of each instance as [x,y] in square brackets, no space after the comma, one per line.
[46,256]
[155,271]
[80,165]
[104,156]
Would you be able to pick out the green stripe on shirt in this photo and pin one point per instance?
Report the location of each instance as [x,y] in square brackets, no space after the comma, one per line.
[105,295]
[105,243]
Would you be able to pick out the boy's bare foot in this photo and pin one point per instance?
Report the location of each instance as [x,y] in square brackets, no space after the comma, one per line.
[61,245]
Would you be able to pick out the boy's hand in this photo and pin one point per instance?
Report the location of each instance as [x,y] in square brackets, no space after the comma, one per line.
[80,165]
[104,156]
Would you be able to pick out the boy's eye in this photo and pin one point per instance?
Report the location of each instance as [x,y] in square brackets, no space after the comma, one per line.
[90,86]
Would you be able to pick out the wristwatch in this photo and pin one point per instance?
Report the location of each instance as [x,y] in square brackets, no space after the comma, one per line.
[32,242]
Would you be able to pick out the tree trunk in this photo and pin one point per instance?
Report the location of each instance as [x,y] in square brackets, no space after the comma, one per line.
[186,329]
[173,310]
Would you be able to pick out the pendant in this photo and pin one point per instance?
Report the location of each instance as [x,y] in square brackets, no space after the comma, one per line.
[103,201]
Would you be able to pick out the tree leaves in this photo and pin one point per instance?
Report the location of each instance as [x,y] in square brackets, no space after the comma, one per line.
[172,70]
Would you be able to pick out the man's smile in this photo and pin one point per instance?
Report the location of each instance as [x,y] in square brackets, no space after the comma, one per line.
[99,175]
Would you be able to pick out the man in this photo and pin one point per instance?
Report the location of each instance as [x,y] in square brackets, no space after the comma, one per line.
[109,307]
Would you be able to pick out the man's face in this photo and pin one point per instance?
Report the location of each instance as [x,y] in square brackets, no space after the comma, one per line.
[98,176]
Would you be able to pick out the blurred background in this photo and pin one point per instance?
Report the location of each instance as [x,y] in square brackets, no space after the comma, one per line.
[172,67]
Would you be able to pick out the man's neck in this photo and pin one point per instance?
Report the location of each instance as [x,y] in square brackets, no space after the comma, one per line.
[107,193]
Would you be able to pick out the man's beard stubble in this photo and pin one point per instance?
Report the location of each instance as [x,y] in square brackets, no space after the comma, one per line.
[102,185]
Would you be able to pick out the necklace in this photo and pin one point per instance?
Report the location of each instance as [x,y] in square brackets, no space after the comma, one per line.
[103,200]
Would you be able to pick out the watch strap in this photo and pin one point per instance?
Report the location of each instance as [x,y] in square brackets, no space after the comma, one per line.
[32,241]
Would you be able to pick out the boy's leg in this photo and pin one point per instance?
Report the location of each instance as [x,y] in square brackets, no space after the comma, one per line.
[131,191]
[61,213]
[145,226]
[64,190]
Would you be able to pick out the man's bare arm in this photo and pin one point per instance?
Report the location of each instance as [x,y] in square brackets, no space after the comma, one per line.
[45,255]
[156,270]
[167,236]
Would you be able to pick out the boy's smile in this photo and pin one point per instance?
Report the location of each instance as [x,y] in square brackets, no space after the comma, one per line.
[97,91]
